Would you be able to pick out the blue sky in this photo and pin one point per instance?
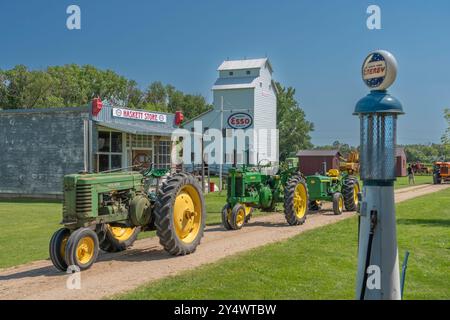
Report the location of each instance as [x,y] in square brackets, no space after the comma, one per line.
[315,46]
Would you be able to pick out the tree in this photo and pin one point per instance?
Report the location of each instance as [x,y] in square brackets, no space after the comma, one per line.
[293,127]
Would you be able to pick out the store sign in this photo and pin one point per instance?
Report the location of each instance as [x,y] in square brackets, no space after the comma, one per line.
[379,70]
[139,115]
[240,120]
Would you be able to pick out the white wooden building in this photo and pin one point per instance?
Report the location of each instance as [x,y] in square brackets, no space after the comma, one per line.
[244,97]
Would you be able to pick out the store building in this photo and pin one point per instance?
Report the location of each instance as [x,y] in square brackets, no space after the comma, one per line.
[40,146]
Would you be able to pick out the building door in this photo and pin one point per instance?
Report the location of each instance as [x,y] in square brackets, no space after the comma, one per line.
[141,158]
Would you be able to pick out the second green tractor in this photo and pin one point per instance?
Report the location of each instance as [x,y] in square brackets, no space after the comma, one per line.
[250,188]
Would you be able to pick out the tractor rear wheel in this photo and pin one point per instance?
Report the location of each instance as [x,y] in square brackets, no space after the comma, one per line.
[296,200]
[82,248]
[226,215]
[338,203]
[180,214]
[119,238]
[350,190]
[57,248]
[238,215]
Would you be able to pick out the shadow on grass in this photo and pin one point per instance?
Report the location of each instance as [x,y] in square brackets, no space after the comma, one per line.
[428,222]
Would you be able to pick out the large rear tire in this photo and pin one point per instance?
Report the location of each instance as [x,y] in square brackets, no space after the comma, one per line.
[296,200]
[350,190]
[119,238]
[180,214]
[57,248]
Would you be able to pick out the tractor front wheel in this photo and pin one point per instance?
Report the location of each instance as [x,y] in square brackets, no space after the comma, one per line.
[82,248]
[350,190]
[226,215]
[238,215]
[296,200]
[180,214]
[57,248]
[338,203]
[119,238]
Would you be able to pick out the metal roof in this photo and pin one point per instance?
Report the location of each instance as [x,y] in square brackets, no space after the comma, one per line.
[244,64]
[400,152]
[235,83]
[320,153]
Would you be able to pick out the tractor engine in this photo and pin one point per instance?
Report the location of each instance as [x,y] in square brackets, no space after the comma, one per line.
[102,198]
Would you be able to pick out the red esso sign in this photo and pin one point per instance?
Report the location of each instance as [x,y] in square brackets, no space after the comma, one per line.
[240,121]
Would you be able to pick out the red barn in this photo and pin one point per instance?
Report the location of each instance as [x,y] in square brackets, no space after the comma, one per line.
[318,161]
[400,162]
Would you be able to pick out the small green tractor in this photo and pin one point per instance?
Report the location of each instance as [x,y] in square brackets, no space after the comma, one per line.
[340,188]
[108,210]
[249,188]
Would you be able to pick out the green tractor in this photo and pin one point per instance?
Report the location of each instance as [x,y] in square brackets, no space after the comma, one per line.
[339,188]
[249,188]
[108,210]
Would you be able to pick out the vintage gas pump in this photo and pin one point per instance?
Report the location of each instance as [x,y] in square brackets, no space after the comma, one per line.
[378,269]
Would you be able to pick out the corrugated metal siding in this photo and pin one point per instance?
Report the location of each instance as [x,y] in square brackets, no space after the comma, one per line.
[39,148]
[266,114]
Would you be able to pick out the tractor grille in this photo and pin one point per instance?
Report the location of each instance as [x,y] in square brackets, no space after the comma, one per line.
[84,200]
[238,186]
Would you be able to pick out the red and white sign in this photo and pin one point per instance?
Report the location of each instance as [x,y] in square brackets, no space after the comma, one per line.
[240,120]
[139,115]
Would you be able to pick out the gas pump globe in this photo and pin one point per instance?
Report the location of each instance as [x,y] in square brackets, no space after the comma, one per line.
[378,269]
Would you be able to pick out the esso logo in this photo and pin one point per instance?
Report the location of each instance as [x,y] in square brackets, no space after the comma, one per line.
[240,121]
[379,70]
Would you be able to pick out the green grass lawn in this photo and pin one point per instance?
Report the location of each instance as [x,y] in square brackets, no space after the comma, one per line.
[402,182]
[321,263]
[29,224]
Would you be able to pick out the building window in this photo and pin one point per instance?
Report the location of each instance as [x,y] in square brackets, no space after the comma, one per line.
[260,84]
[231,73]
[248,72]
[139,141]
[109,155]
[163,154]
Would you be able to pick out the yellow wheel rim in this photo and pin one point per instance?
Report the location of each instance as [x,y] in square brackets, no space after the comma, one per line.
[240,217]
[187,214]
[300,201]
[355,194]
[121,233]
[341,204]
[248,210]
[85,250]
